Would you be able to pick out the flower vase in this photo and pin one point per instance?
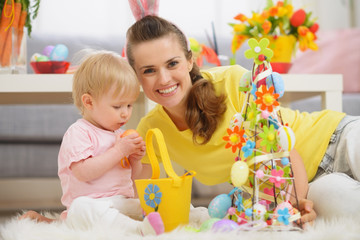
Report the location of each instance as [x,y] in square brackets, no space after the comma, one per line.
[13,56]
[283,47]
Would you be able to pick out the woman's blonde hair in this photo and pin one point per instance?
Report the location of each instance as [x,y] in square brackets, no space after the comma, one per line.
[98,72]
[205,108]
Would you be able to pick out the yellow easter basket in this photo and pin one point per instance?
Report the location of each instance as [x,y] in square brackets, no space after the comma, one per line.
[171,196]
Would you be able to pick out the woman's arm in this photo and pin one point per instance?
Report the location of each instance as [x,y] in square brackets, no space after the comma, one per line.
[301,187]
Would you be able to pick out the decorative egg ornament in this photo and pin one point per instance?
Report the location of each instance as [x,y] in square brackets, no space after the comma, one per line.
[245,82]
[47,50]
[275,79]
[59,53]
[207,225]
[239,173]
[224,225]
[236,120]
[219,206]
[286,138]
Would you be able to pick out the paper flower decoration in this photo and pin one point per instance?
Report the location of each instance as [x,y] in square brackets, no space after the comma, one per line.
[152,196]
[277,177]
[259,51]
[248,148]
[253,90]
[267,98]
[238,202]
[235,138]
[283,216]
[268,137]
[252,114]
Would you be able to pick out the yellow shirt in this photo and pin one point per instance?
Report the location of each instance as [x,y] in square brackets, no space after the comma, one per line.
[212,162]
[313,132]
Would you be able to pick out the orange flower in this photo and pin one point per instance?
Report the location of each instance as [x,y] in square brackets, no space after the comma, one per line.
[235,138]
[302,30]
[266,26]
[241,17]
[267,98]
[273,11]
[237,41]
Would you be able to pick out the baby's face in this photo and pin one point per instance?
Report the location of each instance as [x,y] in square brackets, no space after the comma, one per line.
[111,111]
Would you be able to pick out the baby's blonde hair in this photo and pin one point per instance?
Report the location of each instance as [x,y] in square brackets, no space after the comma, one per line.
[98,72]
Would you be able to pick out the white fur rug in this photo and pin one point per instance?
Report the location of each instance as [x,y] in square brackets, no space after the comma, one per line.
[337,229]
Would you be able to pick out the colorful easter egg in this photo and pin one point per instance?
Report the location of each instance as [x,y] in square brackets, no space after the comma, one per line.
[275,79]
[219,206]
[59,53]
[207,225]
[224,225]
[245,82]
[259,211]
[239,173]
[42,58]
[236,120]
[284,205]
[34,57]
[286,138]
[47,50]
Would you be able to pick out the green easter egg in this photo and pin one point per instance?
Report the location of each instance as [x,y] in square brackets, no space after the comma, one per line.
[42,58]
[207,225]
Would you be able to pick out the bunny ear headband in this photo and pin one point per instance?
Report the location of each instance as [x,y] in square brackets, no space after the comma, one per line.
[142,8]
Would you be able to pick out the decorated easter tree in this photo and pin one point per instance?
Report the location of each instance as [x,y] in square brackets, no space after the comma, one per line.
[262,173]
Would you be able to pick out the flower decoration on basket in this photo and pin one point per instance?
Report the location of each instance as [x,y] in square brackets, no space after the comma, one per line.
[285,27]
[153,196]
[262,175]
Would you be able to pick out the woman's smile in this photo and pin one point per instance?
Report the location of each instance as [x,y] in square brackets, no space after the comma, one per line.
[168,91]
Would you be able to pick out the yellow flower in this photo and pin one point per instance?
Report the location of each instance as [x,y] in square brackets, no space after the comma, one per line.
[238,28]
[282,11]
[289,10]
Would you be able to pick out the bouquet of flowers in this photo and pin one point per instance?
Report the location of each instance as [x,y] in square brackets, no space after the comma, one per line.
[275,21]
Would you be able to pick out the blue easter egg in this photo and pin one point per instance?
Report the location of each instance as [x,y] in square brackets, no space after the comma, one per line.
[219,206]
[59,53]
[47,50]
[276,80]
[224,225]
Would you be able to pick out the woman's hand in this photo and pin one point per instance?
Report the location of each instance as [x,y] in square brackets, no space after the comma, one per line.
[308,214]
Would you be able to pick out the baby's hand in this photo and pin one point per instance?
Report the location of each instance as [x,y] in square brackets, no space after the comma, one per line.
[139,154]
[128,144]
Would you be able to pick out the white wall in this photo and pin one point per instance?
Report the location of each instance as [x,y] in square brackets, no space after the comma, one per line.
[107,20]
[113,17]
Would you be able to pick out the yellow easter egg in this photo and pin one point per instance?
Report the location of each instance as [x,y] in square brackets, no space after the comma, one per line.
[239,173]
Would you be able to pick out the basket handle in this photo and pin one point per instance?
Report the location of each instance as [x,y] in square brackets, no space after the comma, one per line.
[163,154]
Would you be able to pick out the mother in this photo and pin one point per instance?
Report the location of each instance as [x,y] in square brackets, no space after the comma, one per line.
[194,109]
